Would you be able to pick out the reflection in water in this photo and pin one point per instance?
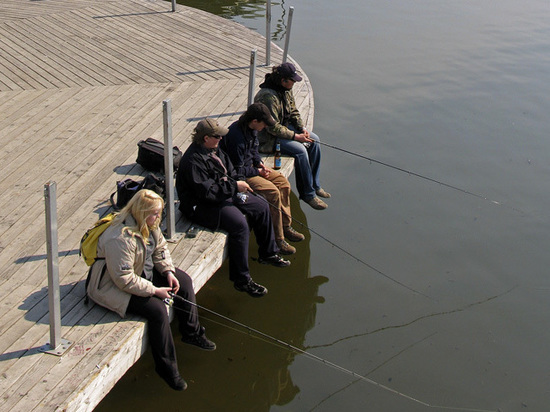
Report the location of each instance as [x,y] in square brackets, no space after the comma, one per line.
[250,13]
[247,372]
[251,367]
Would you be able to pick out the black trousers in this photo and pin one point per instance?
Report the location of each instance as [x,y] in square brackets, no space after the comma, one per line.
[230,217]
[160,336]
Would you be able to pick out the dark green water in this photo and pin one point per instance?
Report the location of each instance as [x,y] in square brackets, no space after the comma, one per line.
[457,91]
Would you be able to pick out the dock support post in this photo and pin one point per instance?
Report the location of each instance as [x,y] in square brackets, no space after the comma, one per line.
[57,345]
[169,169]
[268,33]
[252,77]
[287,37]
[173,5]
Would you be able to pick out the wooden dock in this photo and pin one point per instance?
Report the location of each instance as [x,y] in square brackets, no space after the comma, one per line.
[81,82]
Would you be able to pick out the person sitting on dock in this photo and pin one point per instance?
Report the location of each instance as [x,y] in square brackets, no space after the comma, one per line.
[213,195]
[241,144]
[134,274]
[276,93]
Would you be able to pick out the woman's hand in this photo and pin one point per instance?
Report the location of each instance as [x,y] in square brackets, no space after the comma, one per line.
[163,293]
[173,282]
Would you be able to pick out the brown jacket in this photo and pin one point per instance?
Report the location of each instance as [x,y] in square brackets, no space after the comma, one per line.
[117,277]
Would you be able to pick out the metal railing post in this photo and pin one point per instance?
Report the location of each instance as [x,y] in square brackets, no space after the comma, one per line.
[252,77]
[169,169]
[57,345]
[268,33]
[287,37]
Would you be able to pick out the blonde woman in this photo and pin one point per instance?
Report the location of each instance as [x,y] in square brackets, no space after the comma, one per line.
[134,273]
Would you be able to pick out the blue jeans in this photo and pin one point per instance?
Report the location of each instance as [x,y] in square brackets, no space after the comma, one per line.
[307,162]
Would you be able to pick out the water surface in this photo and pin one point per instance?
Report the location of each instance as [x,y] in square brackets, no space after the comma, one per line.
[449,302]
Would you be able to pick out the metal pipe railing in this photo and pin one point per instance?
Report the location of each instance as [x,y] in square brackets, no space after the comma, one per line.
[287,36]
[169,169]
[268,33]
[57,345]
[252,77]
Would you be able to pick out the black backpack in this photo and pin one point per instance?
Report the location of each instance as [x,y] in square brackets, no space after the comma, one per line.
[127,188]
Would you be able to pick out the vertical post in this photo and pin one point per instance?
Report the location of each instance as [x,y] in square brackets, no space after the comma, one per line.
[252,77]
[268,33]
[287,37]
[56,346]
[169,169]
[173,5]
[50,196]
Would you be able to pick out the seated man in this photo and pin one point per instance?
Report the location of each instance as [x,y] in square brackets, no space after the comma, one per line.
[289,131]
[213,195]
[241,144]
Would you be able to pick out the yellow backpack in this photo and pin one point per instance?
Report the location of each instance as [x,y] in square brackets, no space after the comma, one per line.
[88,243]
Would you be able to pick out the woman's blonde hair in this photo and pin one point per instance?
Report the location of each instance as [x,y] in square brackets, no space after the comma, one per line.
[140,207]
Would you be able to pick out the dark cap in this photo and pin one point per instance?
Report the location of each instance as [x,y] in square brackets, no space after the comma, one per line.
[288,71]
[260,112]
[209,127]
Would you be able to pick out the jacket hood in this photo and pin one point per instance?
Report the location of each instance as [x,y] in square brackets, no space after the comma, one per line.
[270,83]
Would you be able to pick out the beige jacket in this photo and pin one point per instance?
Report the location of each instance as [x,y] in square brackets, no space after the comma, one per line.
[116,278]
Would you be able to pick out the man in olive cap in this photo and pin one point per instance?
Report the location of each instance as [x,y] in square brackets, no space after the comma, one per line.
[276,93]
[212,194]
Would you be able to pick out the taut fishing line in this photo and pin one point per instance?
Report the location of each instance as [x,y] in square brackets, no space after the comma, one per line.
[339,247]
[409,172]
[347,252]
[270,339]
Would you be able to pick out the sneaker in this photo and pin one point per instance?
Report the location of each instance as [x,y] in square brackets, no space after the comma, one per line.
[285,248]
[316,203]
[175,382]
[322,192]
[292,234]
[274,260]
[252,288]
[200,341]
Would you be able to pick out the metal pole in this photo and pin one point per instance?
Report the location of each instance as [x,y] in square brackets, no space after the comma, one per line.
[173,5]
[169,169]
[252,77]
[268,33]
[287,37]
[54,298]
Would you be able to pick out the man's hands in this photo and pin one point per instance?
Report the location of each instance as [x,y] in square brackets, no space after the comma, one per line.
[303,137]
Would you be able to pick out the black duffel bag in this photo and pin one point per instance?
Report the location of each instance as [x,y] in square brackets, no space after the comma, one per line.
[151,155]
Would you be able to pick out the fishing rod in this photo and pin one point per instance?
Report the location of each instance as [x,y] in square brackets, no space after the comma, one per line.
[273,340]
[409,172]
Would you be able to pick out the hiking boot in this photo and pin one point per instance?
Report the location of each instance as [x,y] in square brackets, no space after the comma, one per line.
[274,260]
[285,248]
[322,192]
[199,340]
[252,288]
[316,203]
[292,234]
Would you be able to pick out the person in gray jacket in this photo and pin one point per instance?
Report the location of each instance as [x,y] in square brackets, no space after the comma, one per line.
[134,273]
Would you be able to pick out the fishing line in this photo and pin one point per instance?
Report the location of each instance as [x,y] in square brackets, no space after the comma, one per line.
[347,252]
[412,173]
[338,247]
[270,339]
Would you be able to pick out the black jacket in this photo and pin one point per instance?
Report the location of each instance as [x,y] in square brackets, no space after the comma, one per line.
[241,144]
[202,181]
